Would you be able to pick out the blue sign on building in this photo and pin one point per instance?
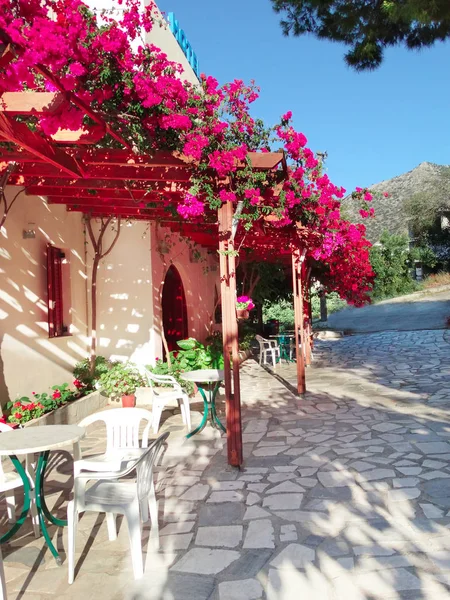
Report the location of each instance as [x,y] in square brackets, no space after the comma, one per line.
[181,38]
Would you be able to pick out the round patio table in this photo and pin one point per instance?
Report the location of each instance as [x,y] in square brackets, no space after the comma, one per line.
[206,380]
[38,440]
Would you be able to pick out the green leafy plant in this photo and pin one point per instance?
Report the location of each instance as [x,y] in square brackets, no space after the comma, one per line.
[194,356]
[122,379]
[82,370]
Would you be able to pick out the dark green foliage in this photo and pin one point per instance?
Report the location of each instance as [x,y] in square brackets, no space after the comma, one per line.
[263,281]
[367,26]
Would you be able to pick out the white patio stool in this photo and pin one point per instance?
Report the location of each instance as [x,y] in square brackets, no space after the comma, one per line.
[161,399]
[113,497]
[268,348]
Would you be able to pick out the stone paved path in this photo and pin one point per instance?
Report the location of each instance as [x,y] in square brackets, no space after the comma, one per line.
[413,312]
[345,494]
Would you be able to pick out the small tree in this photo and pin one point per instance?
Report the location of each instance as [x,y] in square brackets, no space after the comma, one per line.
[100,251]
[368,27]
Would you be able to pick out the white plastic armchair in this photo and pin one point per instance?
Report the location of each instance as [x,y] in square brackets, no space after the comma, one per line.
[268,348]
[8,483]
[122,439]
[112,496]
[2,580]
[163,398]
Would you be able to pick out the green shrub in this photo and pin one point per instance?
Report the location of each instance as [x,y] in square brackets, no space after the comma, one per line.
[82,370]
[391,261]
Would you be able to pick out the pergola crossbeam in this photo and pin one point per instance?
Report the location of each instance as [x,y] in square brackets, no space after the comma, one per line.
[19,134]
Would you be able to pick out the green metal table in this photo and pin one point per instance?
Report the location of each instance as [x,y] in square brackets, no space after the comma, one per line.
[284,341]
[207,380]
[31,441]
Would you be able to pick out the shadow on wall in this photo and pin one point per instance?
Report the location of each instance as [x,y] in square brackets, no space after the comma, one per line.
[28,357]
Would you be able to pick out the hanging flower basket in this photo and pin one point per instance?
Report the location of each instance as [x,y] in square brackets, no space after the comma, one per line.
[244,305]
[242,314]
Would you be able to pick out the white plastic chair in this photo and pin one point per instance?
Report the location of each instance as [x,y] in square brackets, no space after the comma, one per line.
[268,348]
[8,483]
[122,439]
[2,580]
[161,399]
[114,497]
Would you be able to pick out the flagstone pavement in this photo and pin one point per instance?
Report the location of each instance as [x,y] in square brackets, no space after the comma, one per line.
[344,495]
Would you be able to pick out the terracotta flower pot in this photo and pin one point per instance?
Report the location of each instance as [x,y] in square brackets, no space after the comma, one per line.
[242,313]
[129,401]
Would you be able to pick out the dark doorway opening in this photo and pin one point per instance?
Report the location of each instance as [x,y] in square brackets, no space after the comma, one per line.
[174,309]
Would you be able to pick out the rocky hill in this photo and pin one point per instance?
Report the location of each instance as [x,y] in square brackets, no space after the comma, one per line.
[428,179]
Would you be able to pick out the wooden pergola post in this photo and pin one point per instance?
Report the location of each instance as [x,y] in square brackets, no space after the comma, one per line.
[297,259]
[230,335]
[308,312]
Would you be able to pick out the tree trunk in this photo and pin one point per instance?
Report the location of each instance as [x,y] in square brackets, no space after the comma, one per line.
[259,312]
[323,308]
[94,312]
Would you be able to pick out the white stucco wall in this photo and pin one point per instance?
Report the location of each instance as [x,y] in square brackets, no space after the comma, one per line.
[130,284]
[29,360]
[124,294]
[163,38]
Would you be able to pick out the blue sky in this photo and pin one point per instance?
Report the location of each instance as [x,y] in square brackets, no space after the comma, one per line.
[373,125]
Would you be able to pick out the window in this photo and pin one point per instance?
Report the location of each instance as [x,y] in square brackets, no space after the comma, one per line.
[58,286]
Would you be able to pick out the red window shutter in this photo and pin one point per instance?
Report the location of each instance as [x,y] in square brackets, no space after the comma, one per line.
[54,287]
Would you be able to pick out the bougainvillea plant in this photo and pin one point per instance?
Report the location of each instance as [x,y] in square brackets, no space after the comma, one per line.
[105,61]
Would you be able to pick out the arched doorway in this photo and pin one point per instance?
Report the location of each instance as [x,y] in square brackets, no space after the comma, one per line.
[174,310]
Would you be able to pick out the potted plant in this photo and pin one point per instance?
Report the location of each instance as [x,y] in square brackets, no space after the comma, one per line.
[244,304]
[121,381]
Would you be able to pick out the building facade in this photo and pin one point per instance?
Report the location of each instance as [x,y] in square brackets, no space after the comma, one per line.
[153,280]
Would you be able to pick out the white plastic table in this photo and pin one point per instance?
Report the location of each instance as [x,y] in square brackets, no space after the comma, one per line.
[205,380]
[38,440]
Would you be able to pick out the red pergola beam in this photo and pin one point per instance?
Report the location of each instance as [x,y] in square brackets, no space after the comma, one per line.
[102,202]
[100,194]
[266,160]
[126,158]
[141,173]
[19,134]
[53,169]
